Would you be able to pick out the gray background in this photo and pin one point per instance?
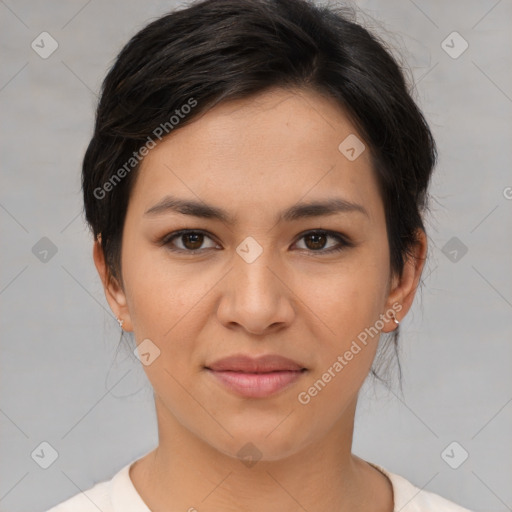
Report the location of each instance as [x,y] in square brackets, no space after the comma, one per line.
[63,382]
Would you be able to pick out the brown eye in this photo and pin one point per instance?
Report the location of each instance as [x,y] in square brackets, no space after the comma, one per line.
[315,241]
[192,241]
[187,241]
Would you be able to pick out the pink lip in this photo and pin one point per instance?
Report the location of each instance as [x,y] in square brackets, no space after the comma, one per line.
[256,377]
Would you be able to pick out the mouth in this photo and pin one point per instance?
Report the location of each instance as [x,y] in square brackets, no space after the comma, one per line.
[256,377]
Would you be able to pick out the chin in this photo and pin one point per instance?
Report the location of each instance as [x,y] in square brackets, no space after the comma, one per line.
[257,445]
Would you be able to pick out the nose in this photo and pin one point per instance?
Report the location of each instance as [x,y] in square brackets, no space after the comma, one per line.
[256,296]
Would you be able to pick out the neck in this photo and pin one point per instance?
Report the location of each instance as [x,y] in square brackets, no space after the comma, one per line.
[186,473]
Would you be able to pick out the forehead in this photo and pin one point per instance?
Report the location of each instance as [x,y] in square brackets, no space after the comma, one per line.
[266,151]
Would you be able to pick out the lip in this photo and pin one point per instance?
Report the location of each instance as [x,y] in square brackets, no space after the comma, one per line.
[261,364]
[256,377]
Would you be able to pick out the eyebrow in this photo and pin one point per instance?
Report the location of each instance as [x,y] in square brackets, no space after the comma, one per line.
[330,206]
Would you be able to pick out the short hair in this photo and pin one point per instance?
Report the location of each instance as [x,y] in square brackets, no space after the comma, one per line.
[218,50]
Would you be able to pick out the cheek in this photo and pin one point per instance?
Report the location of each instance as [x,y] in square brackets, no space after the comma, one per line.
[159,293]
[168,305]
[349,303]
[346,348]
[351,299]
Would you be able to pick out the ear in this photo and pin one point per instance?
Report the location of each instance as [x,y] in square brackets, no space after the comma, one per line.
[114,292]
[403,288]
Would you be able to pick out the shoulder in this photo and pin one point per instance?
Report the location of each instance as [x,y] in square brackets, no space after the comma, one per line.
[97,497]
[115,495]
[409,498]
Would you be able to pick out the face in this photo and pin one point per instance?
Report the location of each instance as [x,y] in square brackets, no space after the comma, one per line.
[274,276]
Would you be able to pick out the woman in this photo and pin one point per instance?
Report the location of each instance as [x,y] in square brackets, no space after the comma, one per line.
[255,185]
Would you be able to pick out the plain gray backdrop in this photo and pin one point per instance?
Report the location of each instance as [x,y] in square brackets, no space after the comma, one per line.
[62,381]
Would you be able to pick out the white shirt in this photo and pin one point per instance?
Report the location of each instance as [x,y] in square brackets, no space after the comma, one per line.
[119,495]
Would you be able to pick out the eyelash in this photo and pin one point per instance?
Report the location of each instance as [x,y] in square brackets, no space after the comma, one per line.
[343,240]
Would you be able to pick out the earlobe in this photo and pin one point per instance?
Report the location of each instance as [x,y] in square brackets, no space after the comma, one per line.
[114,293]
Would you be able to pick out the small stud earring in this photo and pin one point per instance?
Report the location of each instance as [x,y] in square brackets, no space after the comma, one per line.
[395,320]
[120,322]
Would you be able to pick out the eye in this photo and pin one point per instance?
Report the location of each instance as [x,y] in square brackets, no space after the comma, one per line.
[191,241]
[316,241]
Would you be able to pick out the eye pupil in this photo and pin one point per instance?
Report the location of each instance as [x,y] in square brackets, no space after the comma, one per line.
[315,237]
[197,240]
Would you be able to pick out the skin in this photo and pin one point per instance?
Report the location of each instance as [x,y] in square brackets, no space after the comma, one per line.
[262,154]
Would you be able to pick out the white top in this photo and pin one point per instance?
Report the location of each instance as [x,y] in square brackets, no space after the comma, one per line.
[120,495]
